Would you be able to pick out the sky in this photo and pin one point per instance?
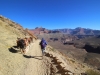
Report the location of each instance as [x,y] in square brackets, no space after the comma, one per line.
[53,14]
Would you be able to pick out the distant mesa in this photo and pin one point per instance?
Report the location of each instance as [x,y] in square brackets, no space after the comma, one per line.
[41,30]
[76,31]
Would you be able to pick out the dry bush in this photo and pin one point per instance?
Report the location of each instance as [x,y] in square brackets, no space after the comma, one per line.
[92,72]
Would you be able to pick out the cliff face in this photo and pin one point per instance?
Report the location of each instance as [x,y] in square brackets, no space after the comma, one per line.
[40,30]
[80,31]
[76,31]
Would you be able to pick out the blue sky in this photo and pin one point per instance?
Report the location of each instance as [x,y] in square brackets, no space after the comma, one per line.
[53,14]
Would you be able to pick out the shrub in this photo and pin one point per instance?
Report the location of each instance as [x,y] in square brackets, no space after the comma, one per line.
[92,72]
[11,25]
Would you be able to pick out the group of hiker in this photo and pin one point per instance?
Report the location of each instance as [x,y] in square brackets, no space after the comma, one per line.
[23,43]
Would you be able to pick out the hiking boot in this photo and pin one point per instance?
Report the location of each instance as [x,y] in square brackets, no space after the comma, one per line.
[44,53]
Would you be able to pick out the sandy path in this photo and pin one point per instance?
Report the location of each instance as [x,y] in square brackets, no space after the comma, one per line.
[36,64]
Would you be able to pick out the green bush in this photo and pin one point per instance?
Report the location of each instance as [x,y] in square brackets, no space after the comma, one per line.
[92,72]
[11,25]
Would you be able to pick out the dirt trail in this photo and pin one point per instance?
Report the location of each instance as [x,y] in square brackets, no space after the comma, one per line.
[37,65]
[53,63]
[46,65]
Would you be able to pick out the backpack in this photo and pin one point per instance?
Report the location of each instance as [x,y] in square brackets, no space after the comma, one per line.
[42,43]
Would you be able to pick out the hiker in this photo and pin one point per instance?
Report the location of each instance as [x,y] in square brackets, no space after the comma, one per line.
[43,44]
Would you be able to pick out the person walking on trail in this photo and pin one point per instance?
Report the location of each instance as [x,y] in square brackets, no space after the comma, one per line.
[43,45]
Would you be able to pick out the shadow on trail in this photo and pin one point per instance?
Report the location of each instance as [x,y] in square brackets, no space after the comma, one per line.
[13,50]
[36,57]
[15,46]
